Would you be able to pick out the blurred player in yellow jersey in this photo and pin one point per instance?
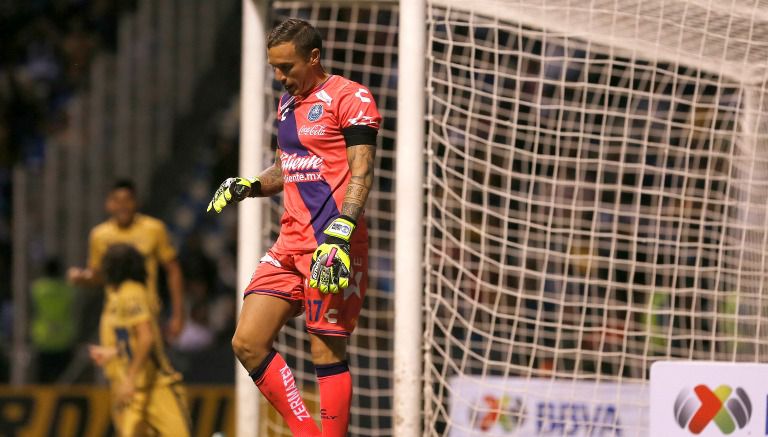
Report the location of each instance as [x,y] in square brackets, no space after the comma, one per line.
[148,398]
[149,236]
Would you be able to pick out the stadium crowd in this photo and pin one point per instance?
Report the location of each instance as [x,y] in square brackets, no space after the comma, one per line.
[46,47]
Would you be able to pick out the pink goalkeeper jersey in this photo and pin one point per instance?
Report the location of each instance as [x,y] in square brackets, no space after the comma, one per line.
[313,155]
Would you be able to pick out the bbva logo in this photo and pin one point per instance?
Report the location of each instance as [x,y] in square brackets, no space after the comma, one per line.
[729,409]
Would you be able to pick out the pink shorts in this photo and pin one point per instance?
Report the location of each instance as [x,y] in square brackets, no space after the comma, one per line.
[285,276]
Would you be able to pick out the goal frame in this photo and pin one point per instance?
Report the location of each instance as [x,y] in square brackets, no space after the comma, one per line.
[250,214]
[409,219]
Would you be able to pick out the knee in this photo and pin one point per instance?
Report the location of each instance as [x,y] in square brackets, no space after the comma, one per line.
[239,346]
[249,353]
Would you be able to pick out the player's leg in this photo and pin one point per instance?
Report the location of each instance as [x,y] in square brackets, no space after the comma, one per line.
[118,420]
[261,318]
[168,411]
[334,383]
[130,420]
[130,425]
[331,318]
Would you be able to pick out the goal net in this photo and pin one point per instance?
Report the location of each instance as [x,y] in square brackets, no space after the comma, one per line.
[360,43]
[597,185]
[597,188]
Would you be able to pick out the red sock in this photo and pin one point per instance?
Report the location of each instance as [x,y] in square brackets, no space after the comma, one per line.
[275,380]
[335,384]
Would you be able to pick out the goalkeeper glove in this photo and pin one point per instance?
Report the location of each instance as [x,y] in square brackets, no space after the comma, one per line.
[232,188]
[329,271]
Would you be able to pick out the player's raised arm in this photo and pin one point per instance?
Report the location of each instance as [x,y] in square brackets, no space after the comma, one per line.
[268,183]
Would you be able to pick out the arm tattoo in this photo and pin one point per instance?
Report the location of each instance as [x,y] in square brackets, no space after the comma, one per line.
[354,200]
[271,179]
[361,166]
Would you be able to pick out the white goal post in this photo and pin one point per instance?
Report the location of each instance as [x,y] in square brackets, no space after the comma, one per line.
[250,245]
[409,222]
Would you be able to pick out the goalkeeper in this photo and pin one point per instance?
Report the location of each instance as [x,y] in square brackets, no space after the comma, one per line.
[326,131]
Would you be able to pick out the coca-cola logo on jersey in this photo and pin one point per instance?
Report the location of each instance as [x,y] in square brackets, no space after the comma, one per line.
[315,130]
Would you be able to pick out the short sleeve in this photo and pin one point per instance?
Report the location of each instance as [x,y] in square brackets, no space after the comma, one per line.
[134,305]
[357,108]
[165,250]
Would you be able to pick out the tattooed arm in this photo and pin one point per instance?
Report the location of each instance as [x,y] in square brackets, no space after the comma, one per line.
[270,180]
[360,160]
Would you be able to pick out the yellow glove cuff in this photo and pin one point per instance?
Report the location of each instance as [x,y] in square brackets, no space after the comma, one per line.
[342,228]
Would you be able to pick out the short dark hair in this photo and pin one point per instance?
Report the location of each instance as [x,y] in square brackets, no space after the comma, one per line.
[302,34]
[124,184]
[122,262]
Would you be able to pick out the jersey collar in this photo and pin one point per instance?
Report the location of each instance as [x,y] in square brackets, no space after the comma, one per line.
[317,88]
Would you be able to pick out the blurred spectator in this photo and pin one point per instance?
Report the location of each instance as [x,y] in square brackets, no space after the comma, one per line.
[212,306]
[221,316]
[196,335]
[54,322]
[45,51]
[78,47]
[102,18]
[200,271]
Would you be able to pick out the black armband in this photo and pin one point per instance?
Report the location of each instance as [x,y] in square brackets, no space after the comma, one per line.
[356,135]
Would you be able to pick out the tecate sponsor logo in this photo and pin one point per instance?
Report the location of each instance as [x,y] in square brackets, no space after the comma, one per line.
[316,130]
[293,162]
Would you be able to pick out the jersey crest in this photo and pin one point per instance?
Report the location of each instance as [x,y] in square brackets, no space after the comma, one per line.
[315,112]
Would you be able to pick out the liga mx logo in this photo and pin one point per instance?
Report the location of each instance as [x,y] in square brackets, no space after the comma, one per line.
[505,412]
[315,112]
[729,409]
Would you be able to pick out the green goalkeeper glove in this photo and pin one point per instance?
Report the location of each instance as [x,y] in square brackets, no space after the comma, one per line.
[232,188]
[329,271]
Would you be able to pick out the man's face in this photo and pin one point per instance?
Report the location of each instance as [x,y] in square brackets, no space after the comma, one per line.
[121,205]
[293,70]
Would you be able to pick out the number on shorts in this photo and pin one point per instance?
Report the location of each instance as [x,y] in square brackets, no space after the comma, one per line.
[314,316]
